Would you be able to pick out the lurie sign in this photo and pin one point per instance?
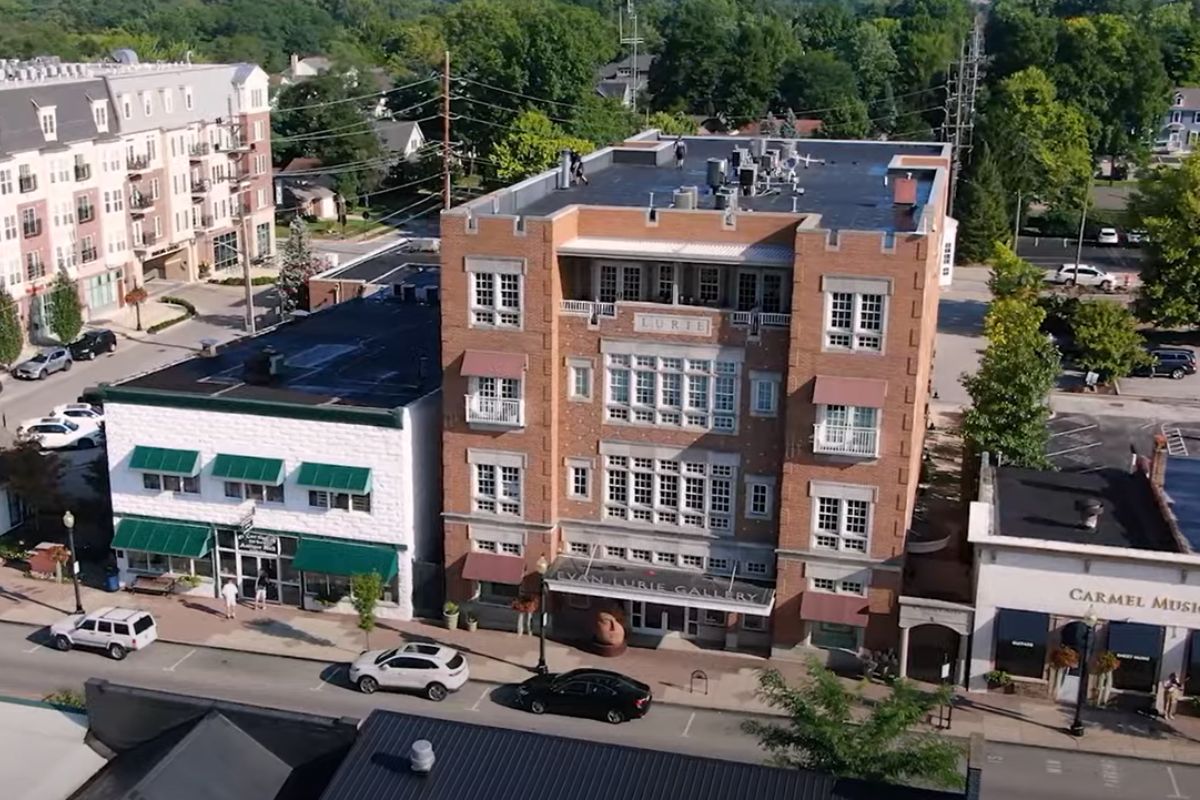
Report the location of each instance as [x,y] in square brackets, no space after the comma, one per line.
[668,584]
[676,324]
[1157,603]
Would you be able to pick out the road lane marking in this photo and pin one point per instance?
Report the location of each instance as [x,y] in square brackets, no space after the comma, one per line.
[1053,766]
[186,656]
[324,681]
[687,728]
[33,649]
[1109,774]
[479,700]
[995,759]
[1175,787]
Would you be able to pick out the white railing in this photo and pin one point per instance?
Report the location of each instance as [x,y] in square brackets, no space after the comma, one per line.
[845,440]
[587,308]
[766,319]
[495,410]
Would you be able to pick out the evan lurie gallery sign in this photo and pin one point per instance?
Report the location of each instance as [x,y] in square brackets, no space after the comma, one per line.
[676,324]
[711,590]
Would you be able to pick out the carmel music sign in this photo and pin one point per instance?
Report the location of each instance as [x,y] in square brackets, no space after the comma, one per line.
[1159,603]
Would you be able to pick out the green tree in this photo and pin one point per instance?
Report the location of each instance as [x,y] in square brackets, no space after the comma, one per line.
[671,124]
[11,338]
[297,263]
[1108,340]
[982,209]
[819,82]
[1009,406]
[65,308]
[365,591]
[870,51]
[1013,276]
[825,25]
[34,476]
[1167,205]
[603,121]
[824,734]
[1019,36]
[751,70]
[689,72]
[531,146]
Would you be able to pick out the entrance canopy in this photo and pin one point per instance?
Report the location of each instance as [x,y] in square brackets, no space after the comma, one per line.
[162,537]
[670,587]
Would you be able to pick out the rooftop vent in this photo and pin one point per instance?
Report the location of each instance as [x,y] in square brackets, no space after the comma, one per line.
[686,197]
[420,756]
[264,367]
[1089,513]
[715,176]
[904,190]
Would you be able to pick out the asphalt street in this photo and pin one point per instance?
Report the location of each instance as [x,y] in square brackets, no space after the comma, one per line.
[1050,252]
[31,669]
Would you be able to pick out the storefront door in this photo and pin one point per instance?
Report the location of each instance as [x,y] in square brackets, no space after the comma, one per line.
[241,554]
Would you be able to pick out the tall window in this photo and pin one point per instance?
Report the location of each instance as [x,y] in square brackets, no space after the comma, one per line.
[841,524]
[6,181]
[497,489]
[854,321]
[760,497]
[100,115]
[49,123]
[848,430]
[764,394]
[579,479]
[660,491]
[187,98]
[709,288]
[225,254]
[495,299]
[620,282]
[580,379]
[496,388]
[672,391]
[34,266]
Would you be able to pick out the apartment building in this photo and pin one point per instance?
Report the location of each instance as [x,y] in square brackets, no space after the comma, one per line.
[119,172]
[309,451]
[694,396]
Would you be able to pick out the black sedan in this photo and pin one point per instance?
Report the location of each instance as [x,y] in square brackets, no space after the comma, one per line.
[93,343]
[597,693]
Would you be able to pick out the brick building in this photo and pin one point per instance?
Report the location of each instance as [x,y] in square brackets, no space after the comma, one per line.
[703,408]
[117,172]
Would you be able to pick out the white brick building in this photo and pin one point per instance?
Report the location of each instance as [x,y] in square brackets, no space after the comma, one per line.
[310,451]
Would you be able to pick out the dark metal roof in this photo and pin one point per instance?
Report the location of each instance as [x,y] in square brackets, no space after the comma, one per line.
[475,762]
[20,128]
[1182,486]
[392,267]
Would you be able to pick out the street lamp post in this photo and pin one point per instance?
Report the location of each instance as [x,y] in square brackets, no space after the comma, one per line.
[542,566]
[68,520]
[1089,625]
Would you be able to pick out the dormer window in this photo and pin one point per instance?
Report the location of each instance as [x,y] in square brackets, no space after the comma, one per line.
[147,103]
[100,115]
[168,100]
[1179,98]
[49,122]
[187,98]
[126,107]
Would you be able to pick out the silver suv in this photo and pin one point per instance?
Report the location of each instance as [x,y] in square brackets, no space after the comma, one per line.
[116,631]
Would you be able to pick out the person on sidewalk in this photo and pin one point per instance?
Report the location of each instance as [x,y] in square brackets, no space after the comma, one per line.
[1172,691]
[230,592]
[260,589]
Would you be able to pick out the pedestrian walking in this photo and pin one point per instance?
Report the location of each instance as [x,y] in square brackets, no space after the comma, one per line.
[680,152]
[260,589]
[230,592]
[1172,691]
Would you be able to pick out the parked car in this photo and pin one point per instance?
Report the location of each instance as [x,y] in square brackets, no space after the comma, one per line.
[598,693]
[78,411]
[116,631]
[1108,236]
[92,344]
[1137,236]
[1172,362]
[1085,275]
[57,359]
[60,433]
[430,669]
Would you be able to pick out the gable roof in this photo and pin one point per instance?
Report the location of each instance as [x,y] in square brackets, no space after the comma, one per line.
[617,89]
[1191,96]
[394,134]
[644,60]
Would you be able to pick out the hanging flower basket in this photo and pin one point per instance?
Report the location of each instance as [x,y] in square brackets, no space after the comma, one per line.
[1106,662]
[526,604]
[1064,657]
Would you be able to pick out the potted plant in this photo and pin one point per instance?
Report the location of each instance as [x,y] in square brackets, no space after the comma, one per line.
[186,582]
[472,621]
[450,614]
[525,605]
[998,678]
[1062,659]
[1104,665]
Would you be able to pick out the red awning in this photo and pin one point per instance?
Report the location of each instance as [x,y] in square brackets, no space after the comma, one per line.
[839,609]
[487,364]
[495,568]
[863,392]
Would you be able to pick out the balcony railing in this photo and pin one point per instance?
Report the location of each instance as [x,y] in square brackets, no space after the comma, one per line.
[32,229]
[200,185]
[146,242]
[845,440]
[27,183]
[204,222]
[588,308]
[140,202]
[83,172]
[768,319]
[495,410]
[199,150]
[88,254]
[137,163]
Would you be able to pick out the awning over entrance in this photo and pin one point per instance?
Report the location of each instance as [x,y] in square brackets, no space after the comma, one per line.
[165,460]
[495,568]
[335,557]
[163,537]
[670,587]
[334,478]
[248,468]
[836,608]
[486,364]
[837,391]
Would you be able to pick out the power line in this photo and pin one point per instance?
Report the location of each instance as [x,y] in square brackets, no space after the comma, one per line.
[355,98]
[505,108]
[368,123]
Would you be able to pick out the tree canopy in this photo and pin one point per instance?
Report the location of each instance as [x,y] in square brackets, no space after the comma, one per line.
[1167,205]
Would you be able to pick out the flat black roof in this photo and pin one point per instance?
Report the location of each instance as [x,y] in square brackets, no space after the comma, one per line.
[1182,486]
[374,352]
[476,762]
[847,190]
[1039,504]
[390,267]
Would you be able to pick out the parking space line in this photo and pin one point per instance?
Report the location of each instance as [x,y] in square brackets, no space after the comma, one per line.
[324,681]
[34,649]
[687,728]
[479,700]
[186,656]
[1073,449]
[1109,774]
[1175,795]
[1074,430]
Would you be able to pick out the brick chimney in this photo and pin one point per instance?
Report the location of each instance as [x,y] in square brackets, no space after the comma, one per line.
[1158,460]
[904,190]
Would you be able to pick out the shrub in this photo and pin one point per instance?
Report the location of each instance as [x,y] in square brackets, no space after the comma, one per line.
[66,698]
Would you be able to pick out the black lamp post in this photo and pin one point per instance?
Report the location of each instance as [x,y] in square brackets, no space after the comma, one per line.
[1089,625]
[68,520]
[542,566]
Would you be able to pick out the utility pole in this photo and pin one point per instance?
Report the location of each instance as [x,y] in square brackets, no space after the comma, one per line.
[446,130]
[1083,210]
[244,252]
[1017,224]
[633,40]
[962,91]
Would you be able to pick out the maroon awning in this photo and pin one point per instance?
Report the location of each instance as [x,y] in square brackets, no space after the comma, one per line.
[839,609]
[862,392]
[487,364]
[495,568]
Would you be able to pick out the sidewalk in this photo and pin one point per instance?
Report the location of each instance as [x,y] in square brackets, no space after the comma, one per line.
[499,657]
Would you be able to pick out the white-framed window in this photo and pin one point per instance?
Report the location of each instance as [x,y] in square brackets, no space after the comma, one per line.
[615,553]
[718,566]
[182,484]
[579,379]
[485,546]
[100,115]
[495,300]
[855,313]
[579,549]
[6,181]
[511,548]
[764,394]
[259,128]
[760,496]
[660,491]
[692,561]
[664,559]
[837,586]
[672,391]
[342,501]
[258,492]
[261,197]
[168,99]
[496,480]
[847,430]
[579,479]
[147,103]
[637,554]
[126,107]
[48,119]
[760,290]
[187,98]
[841,523]
[10,226]
[755,568]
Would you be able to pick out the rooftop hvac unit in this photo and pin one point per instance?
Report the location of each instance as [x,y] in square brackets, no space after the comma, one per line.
[758,146]
[735,158]
[747,177]
[726,199]
[715,176]
[685,197]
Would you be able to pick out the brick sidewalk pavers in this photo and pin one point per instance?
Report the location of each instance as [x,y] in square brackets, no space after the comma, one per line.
[500,657]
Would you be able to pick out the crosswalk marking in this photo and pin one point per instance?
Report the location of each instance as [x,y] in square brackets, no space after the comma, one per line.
[1109,774]
[1053,766]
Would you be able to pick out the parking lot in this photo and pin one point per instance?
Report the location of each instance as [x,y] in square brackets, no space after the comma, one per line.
[1082,442]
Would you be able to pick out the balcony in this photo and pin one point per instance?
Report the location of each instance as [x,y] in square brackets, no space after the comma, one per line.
[145,244]
[753,319]
[27,183]
[199,151]
[203,222]
[137,163]
[845,440]
[201,185]
[588,308]
[88,254]
[31,229]
[495,411]
[139,203]
[83,172]
[237,177]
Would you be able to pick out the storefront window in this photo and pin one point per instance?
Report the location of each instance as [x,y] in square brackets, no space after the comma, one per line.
[1021,642]
[1192,678]
[497,594]
[1139,648]
[329,588]
[833,636]
[155,564]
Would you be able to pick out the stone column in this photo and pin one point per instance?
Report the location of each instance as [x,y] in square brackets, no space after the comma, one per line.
[903,667]
[960,669]
[731,629]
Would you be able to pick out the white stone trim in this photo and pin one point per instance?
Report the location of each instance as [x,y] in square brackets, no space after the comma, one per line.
[574,463]
[574,363]
[843,491]
[839,572]
[856,285]
[736,355]
[496,265]
[494,533]
[496,458]
[711,457]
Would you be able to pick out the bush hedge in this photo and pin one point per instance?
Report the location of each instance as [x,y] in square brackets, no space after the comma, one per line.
[189,311]
[260,280]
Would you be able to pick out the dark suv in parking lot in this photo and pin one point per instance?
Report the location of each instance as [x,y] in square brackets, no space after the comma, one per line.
[92,343]
[1172,362]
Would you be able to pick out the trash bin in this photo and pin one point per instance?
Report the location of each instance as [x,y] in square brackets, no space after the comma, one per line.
[112,581]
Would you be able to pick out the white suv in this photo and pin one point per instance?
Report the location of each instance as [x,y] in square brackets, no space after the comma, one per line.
[1084,275]
[430,669]
[113,630]
[60,433]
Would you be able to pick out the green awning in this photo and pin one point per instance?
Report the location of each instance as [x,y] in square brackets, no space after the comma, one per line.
[356,480]
[165,460]
[248,468]
[344,558]
[163,537]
